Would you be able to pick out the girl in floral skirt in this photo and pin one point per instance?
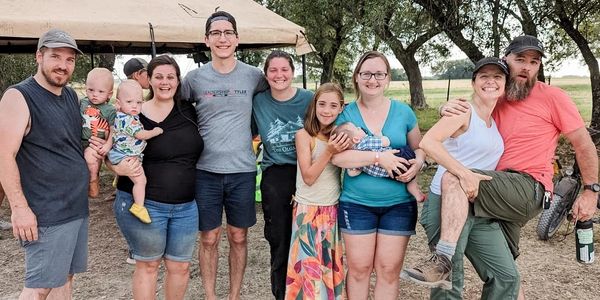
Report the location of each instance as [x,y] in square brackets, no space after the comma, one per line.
[315,268]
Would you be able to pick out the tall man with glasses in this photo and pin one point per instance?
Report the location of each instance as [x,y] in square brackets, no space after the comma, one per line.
[226,170]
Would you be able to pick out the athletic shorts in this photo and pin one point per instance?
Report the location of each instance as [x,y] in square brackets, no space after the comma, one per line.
[60,250]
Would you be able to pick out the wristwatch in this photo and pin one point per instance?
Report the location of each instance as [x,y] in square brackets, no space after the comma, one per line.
[594,187]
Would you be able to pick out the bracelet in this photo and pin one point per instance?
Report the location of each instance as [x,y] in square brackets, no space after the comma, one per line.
[376,159]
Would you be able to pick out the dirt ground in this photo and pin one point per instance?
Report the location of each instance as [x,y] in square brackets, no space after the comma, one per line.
[548,269]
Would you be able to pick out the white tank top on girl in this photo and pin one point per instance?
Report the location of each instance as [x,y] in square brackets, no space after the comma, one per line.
[479,147]
[325,191]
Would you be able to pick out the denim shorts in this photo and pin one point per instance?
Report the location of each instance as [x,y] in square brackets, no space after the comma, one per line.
[172,233]
[234,192]
[399,219]
[60,250]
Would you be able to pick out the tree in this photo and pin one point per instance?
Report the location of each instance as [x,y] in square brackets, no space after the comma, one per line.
[454,69]
[452,17]
[405,28]
[398,75]
[15,68]
[572,17]
[329,28]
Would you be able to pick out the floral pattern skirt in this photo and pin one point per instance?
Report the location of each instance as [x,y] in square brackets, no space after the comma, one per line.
[315,266]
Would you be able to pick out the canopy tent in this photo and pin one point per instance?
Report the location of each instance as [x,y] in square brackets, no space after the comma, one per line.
[122,26]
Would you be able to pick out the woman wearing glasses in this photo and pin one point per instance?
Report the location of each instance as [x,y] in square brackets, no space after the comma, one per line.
[377,215]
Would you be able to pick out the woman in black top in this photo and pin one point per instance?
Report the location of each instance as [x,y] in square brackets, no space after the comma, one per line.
[169,164]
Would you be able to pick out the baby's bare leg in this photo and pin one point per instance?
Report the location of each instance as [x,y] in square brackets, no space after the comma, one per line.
[414,189]
[139,188]
[92,162]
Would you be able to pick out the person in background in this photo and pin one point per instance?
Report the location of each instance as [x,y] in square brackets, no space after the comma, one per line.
[136,69]
[278,114]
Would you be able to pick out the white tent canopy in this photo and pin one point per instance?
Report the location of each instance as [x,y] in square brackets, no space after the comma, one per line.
[122,26]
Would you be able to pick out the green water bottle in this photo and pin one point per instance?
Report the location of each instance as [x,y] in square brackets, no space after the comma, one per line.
[584,241]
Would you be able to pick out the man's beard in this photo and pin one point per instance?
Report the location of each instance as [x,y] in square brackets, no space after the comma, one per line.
[519,90]
[52,81]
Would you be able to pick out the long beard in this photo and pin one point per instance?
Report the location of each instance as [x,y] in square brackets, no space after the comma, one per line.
[517,90]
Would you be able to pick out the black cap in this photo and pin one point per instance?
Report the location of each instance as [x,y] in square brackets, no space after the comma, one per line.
[220,16]
[56,38]
[133,65]
[490,61]
[524,43]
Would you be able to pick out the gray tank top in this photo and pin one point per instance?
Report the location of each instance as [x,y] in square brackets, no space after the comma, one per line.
[54,175]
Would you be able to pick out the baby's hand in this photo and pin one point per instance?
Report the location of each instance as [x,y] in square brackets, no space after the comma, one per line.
[158,130]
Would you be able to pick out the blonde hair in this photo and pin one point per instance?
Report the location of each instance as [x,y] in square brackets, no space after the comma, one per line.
[311,123]
[127,86]
[101,74]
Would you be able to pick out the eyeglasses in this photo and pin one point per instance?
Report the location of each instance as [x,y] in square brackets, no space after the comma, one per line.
[368,75]
[215,34]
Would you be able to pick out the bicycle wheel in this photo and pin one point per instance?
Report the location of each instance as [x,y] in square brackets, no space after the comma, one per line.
[565,192]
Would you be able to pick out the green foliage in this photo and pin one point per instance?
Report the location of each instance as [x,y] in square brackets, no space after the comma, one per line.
[398,74]
[330,27]
[253,57]
[15,68]
[453,69]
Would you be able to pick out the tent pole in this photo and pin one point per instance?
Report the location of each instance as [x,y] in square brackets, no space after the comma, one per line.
[152,43]
[92,57]
[304,71]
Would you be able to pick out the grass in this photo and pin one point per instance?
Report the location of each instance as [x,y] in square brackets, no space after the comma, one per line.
[579,89]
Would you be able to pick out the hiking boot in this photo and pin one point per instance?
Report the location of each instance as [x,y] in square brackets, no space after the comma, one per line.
[94,189]
[435,272]
[4,225]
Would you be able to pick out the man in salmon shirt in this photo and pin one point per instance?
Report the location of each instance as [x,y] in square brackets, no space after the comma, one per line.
[530,120]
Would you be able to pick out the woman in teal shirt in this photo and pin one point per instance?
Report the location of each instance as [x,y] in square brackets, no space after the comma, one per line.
[277,114]
[377,215]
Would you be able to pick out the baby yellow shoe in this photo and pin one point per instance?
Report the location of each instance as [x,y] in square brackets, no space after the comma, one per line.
[140,212]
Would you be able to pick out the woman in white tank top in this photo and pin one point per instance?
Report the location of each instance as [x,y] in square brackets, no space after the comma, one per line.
[458,144]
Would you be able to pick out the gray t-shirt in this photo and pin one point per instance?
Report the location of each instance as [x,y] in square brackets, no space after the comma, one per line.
[224,108]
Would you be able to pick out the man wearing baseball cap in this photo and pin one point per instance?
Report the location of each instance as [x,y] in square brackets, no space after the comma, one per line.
[530,118]
[135,69]
[43,171]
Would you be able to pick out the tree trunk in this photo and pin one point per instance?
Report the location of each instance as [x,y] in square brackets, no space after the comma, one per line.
[328,60]
[529,27]
[446,15]
[415,80]
[588,55]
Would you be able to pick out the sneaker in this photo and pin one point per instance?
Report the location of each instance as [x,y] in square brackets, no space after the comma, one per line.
[130,259]
[432,273]
[140,212]
[4,225]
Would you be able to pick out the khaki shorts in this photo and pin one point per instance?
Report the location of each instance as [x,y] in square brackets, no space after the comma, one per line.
[512,198]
